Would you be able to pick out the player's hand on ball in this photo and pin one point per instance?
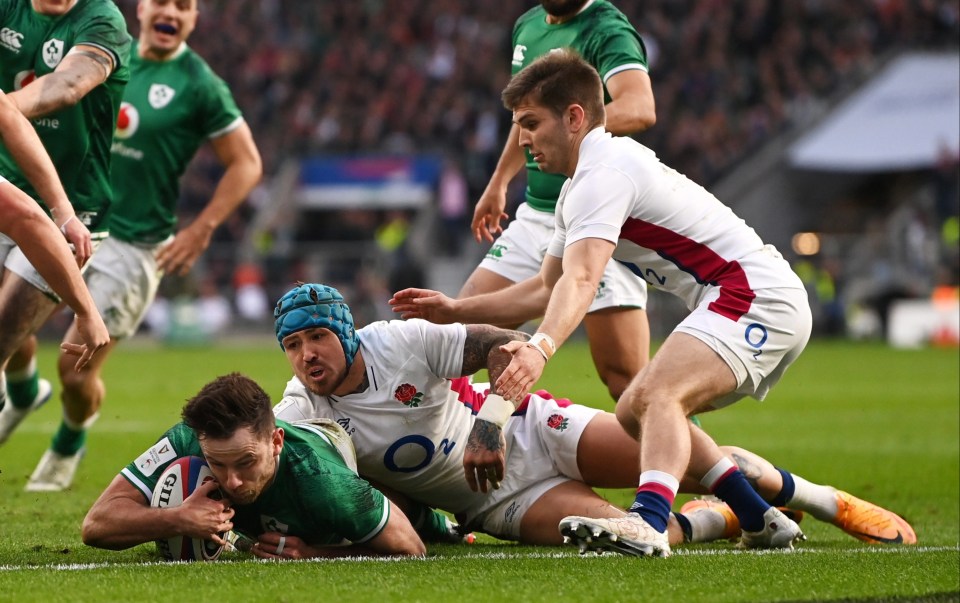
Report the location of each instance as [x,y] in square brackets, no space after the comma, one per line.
[204,516]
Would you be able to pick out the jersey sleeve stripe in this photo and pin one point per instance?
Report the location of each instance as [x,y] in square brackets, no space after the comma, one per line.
[626,67]
[381,525]
[316,431]
[113,55]
[233,125]
[137,483]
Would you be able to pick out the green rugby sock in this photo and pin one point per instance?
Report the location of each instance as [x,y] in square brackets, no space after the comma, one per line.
[68,440]
[23,391]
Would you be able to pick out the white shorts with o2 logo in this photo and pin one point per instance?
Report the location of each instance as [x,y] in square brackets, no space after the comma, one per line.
[519,251]
[761,345]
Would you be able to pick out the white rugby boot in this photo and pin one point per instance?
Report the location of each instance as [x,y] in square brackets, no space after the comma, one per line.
[779,532]
[54,472]
[11,416]
[627,535]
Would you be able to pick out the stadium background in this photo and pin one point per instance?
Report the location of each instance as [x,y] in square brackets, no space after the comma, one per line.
[379,123]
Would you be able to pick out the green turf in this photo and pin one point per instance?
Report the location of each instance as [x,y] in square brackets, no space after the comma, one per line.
[880,423]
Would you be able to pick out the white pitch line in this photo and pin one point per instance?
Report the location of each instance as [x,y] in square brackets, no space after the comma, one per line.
[905,550]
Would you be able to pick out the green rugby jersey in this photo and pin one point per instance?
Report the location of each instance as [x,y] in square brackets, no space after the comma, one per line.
[169,109]
[77,138]
[603,36]
[313,496]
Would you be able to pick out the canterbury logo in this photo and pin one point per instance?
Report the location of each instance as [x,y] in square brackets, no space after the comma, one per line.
[11,39]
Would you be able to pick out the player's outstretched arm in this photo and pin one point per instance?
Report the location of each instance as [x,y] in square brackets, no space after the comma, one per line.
[239,156]
[514,305]
[24,145]
[121,518]
[489,212]
[396,539]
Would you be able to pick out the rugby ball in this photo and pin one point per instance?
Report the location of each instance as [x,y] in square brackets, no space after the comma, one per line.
[176,483]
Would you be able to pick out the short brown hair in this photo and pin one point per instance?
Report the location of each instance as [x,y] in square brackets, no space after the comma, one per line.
[557,80]
[227,404]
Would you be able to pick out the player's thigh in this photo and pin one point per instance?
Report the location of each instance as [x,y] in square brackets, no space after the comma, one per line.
[607,456]
[516,255]
[123,280]
[684,371]
[483,281]
[540,523]
[619,341]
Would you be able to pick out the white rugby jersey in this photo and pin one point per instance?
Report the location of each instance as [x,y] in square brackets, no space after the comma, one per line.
[411,425]
[668,230]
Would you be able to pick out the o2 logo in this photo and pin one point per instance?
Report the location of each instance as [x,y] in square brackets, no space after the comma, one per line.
[756,336]
[408,444]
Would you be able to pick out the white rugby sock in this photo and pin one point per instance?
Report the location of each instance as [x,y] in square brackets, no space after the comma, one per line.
[706,525]
[819,501]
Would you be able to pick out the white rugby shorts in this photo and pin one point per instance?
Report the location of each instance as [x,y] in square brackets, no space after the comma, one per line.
[16,262]
[761,345]
[541,454]
[123,279]
[519,251]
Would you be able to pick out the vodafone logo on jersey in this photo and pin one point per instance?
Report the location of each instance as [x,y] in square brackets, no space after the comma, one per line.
[127,121]
[23,78]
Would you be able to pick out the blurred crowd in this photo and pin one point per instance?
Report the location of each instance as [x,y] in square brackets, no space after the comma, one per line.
[424,76]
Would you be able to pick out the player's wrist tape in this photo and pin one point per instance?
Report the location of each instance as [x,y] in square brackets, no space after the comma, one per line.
[496,409]
[544,344]
[63,227]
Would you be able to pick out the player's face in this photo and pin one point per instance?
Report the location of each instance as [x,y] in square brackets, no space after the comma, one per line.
[244,464]
[545,136]
[53,7]
[165,24]
[317,359]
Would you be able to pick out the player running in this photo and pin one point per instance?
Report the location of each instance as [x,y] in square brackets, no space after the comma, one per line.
[173,104]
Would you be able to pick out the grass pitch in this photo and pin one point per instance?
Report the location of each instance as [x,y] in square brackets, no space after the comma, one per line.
[880,423]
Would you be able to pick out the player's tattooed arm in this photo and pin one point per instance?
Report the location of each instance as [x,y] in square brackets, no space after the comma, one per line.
[481,350]
[83,69]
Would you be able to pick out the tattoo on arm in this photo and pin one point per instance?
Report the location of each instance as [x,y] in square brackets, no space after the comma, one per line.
[484,436]
[750,470]
[482,349]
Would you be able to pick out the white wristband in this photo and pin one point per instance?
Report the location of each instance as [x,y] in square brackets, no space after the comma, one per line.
[496,409]
[63,227]
[543,344]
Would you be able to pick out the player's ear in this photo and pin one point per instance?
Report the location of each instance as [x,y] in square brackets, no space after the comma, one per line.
[277,440]
[575,117]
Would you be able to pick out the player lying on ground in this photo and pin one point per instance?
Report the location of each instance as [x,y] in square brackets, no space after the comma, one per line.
[399,389]
[298,482]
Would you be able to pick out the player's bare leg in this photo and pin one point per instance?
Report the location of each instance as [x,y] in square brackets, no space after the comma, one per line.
[82,395]
[573,498]
[23,309]
[619,345]
[485,281]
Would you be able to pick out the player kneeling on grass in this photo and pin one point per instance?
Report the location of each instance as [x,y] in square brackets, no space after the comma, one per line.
[421,429]
[292,489]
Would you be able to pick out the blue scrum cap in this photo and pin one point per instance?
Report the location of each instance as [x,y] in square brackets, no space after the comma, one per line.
[311,305]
